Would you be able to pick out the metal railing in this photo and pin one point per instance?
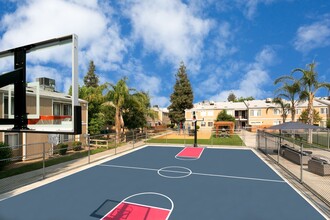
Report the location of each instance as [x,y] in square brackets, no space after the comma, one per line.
[37,161]
[309,163]
[43,160]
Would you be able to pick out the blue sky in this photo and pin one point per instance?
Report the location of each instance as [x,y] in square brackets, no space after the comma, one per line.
[238,46]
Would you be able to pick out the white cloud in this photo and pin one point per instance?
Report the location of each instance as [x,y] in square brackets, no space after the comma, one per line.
[37,20]
[62,82]
[169,28]
[250,6]
[222,43]
[316,35]
[254,79]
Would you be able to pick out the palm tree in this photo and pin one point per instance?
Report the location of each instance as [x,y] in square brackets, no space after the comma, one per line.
[289,92]
[309,86]
[118,95]
[283,108]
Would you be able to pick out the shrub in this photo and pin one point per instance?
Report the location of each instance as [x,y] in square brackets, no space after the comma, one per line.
[76,146]
[62,148]
[5,153]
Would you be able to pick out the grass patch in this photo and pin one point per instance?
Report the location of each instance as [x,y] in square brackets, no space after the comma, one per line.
[233,140]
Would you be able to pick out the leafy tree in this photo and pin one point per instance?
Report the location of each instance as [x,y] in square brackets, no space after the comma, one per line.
[137,109]
[284,108]
[328,123]
[223,116]
[241,99]
[304,116]
[91,79]
[118,95]
[95,98]
[109,112]
[92,92]
[96,123]
[182,96]
[290,92]
[231,97]
[309,86]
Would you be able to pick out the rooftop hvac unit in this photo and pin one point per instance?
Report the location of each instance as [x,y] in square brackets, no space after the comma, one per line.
[46,83]
[268,100]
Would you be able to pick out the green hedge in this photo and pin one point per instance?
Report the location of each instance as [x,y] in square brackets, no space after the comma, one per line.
[5,154]
[76,146]
[62,148]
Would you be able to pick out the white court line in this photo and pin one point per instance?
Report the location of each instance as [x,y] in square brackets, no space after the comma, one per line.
[145,193]
[128,167]
[200,174]
[240,177]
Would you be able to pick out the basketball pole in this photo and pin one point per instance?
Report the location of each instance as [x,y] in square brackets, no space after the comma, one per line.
[195,135]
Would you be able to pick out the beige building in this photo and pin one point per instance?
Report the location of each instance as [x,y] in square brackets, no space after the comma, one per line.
[253,114]
[51,103]
[162,117]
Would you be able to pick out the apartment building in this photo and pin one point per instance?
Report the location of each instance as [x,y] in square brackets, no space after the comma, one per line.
[255,114]
[207,111]
[51,103]
[162,117]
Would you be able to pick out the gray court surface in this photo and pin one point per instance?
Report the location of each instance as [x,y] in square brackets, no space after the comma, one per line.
[221,184]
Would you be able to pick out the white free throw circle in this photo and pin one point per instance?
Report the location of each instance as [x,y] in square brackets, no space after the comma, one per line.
[174,172]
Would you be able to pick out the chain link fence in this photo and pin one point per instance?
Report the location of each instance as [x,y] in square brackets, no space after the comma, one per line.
[309,163]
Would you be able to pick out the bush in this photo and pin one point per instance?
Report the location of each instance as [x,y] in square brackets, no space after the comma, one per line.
[5,153]
[76,146]
[328,123]
[62,148]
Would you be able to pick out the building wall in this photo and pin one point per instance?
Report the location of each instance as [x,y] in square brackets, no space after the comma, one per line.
[32,143]
[256,117]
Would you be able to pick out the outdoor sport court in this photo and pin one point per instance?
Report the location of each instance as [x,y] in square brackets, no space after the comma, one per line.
[158,183]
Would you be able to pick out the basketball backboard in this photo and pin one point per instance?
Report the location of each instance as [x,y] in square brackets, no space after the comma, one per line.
[34,84]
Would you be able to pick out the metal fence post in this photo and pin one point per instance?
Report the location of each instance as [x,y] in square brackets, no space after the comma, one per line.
[328,138]
[133,139]
[301,163]
[89,148]
[278,149]
[265,144]
[43,161]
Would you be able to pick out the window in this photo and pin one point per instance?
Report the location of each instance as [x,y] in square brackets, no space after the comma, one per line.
[6,106]
[62,109]
[12,139]
[277,111]
[255,112]
[209,113]
[210,124]
[56,109]
[298,111]
[323,110]
[203,113]
[67,109]
[203,123]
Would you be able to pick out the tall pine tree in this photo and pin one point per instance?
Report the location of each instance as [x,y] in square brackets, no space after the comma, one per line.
[91,79]
[182,96]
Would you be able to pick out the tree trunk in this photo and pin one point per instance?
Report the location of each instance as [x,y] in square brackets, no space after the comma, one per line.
[293,111]
[118,123]
[310,120]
